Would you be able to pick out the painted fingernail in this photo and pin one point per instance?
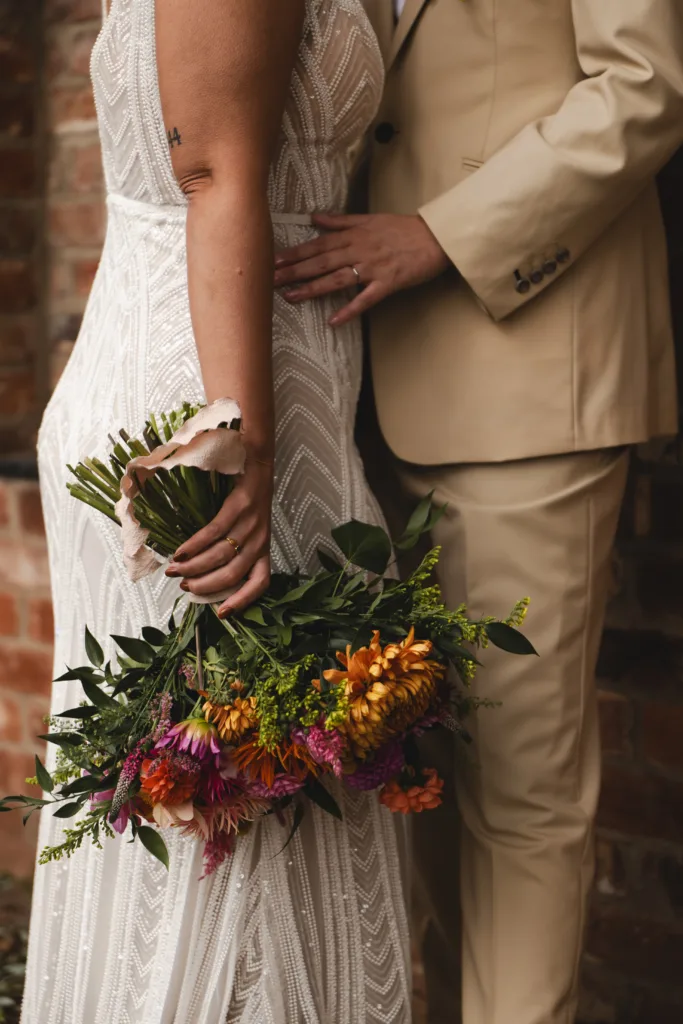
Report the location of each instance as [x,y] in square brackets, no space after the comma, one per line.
[172,572]
[179,557]
[185,586]
[224,611]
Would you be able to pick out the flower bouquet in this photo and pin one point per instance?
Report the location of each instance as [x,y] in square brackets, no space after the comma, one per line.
[327,682]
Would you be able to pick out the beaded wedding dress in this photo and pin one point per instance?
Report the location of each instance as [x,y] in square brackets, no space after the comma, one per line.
[316,934]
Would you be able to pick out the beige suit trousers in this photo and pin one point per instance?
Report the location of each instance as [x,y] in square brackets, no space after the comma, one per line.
[527,788]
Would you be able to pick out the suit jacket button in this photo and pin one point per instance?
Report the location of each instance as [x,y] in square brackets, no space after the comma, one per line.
[536,276]
[549,267]
[562,255]
[384,132]
[523,285]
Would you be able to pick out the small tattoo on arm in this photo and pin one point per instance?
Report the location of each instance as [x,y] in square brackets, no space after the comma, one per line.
[174,138]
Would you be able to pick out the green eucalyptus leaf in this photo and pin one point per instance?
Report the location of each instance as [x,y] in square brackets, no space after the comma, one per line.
[68,810]
[153,842]
[98,697]
[63,739]
[82,712]
[254,614]
[284,635]
[509,639]
[43,776]
[362,638]
[364,545]
[328,562]
[93,649]
[299,812]
[137,650]
[321,796]
[153,636]
[84,672]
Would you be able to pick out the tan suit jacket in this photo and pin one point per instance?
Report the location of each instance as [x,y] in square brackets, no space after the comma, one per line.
[527,133]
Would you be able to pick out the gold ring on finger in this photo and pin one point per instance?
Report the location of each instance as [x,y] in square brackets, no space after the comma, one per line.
[234,544]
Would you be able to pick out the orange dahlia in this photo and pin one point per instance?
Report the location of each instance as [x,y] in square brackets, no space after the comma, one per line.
[388,690]
[170,778]
[256,762]
[414,799]
[232,720]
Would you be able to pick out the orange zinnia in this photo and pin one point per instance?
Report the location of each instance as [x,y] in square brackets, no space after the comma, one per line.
[232,720]
[170,778]
[415,798]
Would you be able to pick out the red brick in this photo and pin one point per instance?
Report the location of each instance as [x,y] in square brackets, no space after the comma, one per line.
[84,273]
[17,393]
[69,104]
[17,286]
[15,768]
[40,620]
[641,660]
[643,949]
[16,343]
[18,177]
[17,230]
[18,63]
[30,510]
[35,711]
[17,114]
[86,169]
[616,722]
[70,51]
[59,11]
[77,223]
[10,718]
[61,280]
[643,806]
[9,615]
[661,735]
[26,669]
[24,566]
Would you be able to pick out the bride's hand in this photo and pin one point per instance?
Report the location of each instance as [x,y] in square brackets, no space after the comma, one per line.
[210,562]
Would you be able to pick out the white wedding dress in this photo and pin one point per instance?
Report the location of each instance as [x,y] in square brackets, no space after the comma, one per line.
[317,934]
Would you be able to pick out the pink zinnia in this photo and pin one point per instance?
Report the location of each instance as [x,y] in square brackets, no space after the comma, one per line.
[325,745]
[386,765]
[284,785]
[197,737]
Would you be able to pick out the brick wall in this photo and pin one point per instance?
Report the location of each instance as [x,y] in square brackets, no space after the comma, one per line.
[75,210]
[22,371]
[25,658]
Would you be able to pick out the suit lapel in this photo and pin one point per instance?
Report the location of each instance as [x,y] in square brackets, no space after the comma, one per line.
[409,15]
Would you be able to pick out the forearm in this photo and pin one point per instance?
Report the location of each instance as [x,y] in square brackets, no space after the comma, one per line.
[230,253]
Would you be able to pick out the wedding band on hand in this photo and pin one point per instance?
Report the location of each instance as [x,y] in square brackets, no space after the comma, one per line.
[355,270]
[234,544]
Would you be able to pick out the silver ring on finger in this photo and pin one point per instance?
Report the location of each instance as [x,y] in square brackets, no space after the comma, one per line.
[354,268]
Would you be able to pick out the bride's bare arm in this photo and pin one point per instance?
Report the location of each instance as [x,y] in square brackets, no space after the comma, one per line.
[224,73]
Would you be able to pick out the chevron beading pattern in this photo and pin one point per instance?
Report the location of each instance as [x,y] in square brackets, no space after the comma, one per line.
[316,934]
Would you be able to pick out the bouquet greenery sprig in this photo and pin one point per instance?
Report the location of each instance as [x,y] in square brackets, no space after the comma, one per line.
[324,685]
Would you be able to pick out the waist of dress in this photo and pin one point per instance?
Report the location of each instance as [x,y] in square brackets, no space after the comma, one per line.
[178,212]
